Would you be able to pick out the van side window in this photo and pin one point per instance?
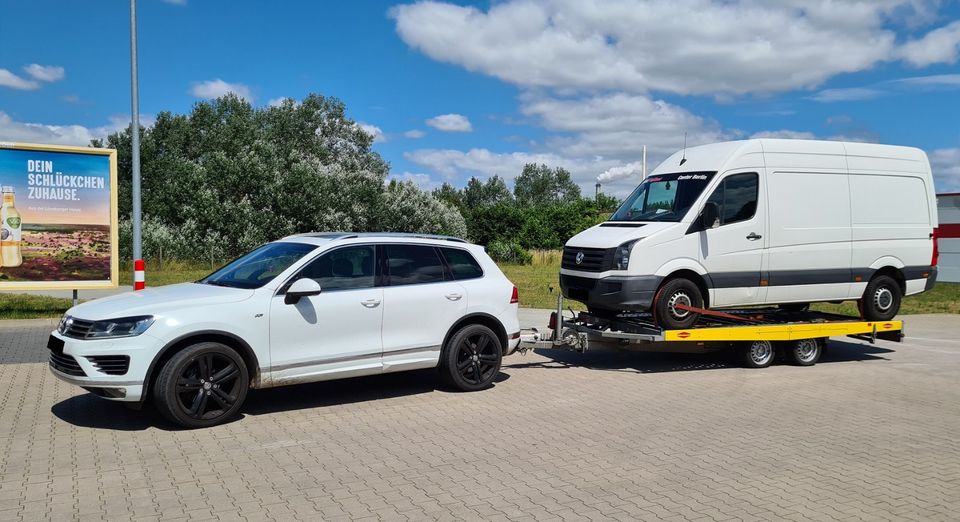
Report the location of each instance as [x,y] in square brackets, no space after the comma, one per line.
[413,264]
[736,197]
[345,268]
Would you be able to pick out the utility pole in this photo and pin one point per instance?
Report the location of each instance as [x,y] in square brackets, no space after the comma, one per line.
[135,135]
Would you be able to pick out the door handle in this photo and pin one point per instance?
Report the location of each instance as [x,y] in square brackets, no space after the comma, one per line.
[754,236]
[371,303]
[454,296]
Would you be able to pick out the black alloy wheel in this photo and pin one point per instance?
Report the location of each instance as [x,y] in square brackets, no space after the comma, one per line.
[201,386]
[472,358]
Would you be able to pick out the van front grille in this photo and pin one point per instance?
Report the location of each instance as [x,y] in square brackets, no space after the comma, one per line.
[593,260]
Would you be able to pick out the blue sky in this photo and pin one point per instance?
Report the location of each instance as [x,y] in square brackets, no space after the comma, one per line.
[457,89]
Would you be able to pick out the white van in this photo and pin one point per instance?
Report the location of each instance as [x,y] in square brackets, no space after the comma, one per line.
[763,222]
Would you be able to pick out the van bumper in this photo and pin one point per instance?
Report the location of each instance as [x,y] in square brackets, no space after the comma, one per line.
[618,293]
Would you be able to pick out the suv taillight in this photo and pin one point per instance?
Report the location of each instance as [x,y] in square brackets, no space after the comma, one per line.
[936,247]
[515,296]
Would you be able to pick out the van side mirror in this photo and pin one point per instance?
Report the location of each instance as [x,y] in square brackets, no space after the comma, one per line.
[302,287]
[710,216]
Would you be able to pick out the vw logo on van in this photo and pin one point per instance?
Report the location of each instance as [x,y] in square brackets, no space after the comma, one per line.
[579,258]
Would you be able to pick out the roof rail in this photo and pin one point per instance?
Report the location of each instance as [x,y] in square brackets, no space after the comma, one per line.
[352,235]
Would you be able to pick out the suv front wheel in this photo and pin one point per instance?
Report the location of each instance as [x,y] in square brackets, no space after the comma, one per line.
[471,359]
[202,385]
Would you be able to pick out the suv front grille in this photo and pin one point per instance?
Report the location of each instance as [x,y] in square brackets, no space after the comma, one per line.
[594,259]
[110,364]
[77,328]
[62,362]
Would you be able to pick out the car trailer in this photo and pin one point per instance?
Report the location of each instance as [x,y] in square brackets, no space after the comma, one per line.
[757,334]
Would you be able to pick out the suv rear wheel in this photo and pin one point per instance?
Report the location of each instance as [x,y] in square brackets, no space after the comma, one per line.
[201,386]
[471,358]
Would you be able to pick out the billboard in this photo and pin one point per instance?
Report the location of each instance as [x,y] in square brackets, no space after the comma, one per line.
[58,218]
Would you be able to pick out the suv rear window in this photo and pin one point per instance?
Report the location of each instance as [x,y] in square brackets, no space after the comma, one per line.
[413,264]
[462,264]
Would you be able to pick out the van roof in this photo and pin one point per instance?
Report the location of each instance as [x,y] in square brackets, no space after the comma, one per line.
[749,153]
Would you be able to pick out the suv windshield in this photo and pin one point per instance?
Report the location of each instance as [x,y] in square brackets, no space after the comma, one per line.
[665,197]
[260,266]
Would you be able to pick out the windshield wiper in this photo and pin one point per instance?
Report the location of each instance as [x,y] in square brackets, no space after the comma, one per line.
[214,282]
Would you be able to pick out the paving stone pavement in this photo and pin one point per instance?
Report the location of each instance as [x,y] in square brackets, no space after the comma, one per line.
[870,433]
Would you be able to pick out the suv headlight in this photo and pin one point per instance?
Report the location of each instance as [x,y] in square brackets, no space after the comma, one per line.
[122,327]
[621,258]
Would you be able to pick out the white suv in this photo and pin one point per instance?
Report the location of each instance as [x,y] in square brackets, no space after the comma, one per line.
[306,308]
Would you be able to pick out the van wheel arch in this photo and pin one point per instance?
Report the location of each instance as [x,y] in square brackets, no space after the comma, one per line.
[695,278]
[484,319]
[181,343]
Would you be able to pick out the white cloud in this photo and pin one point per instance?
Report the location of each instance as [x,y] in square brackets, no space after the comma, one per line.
[450,123]
[630,170]
[938,46]
[45,73]
[175,2]
[414,134]
[680,46]
[945,164]
[8,79]
[216,88]
[422,180]
[925,83]
[372,130]
[24,132]
[785,134]
[276,102]
[847,94]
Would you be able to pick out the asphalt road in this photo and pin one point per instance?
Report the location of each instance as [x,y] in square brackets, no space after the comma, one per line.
[870,433]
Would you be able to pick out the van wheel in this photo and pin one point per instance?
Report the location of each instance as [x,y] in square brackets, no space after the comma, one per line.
[881,299]
[471,358]
[677,292]
[757,354]
[202,385]
[804,352]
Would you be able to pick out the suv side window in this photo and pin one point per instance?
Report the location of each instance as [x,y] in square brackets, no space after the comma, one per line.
[344,268]
[412,264]
[462,264]
[736,197]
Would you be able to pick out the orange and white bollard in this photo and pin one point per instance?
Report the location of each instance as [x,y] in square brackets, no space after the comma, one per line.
[139,279]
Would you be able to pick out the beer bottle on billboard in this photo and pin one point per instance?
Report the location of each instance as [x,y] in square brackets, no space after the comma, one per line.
[10,228]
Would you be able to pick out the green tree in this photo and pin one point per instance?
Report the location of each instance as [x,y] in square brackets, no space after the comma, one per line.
[484,194]
[540,185]
[229,176]
[450,195]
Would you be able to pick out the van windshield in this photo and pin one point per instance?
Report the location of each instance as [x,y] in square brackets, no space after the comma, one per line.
[665,197]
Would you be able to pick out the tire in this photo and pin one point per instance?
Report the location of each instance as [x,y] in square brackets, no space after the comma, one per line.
[804,352]
[471,359]
[794,307]
[202,385]
[677,291]
[757,354]
[881,299]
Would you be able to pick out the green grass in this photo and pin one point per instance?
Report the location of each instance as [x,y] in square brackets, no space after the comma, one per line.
[534,282]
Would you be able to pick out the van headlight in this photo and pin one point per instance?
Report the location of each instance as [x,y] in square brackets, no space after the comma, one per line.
[122,327]
[621,258]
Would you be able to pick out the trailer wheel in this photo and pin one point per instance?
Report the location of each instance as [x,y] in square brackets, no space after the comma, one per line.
[758,354]
[881,299]
[676,292]
[804,352]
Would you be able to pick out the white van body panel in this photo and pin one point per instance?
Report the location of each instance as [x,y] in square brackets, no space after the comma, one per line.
[829,216]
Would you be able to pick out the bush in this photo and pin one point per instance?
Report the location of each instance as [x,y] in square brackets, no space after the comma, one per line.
[509,252]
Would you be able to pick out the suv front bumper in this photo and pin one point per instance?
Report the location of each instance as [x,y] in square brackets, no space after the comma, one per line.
[70,361]
[616,293]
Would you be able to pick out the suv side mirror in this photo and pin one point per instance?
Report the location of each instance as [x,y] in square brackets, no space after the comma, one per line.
[710,216]
[302,287]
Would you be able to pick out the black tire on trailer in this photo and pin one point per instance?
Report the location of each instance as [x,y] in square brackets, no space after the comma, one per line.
[881,299]
[757,354]
[675,292]
[202,385]
[804,352]
[794,307]
[471,359]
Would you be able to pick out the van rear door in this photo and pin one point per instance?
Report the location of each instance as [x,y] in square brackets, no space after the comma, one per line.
[733,252]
